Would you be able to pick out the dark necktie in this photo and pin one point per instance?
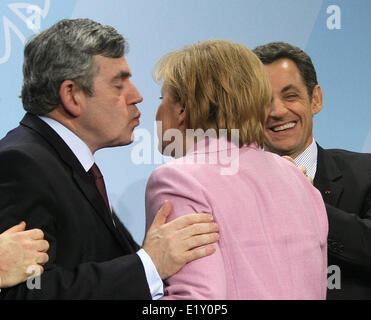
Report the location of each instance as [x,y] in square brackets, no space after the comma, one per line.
[99,182]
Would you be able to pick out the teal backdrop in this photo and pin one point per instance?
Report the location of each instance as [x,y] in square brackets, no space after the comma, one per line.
[336,34]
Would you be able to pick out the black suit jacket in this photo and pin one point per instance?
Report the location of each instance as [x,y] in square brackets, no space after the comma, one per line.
[43,183]
[344,180]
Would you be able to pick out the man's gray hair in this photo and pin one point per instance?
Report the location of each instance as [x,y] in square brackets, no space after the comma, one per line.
[65,52]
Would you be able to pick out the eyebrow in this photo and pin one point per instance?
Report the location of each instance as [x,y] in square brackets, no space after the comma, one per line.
[289,87]
[121,75]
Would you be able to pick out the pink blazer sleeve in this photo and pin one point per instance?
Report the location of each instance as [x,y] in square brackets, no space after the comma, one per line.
[200,279]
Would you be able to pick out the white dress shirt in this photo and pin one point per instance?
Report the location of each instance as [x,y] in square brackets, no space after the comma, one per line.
[308,159]
[86,158]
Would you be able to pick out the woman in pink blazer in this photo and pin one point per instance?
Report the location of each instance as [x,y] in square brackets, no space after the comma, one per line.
[272,221]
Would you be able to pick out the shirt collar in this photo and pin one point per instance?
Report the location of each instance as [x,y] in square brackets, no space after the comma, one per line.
[77,146]
[308,159]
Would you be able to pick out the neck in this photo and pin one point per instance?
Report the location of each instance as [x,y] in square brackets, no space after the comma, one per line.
[72,123]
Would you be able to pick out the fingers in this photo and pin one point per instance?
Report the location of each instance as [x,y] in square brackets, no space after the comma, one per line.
[200,253]
[42,245]
[289,159]
[199,228]
[303,169]
[34,270]
[17,228]
[191,219]
[310,179]
[200,240]
[42,258]
[184,239]
[162,214]
[34,234]
[41,270]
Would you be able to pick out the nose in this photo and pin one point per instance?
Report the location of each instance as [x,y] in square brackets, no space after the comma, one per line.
[277,109]
[135,96]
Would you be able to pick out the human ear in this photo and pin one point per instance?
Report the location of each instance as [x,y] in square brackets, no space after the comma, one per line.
[317,99]
[71,96]
[181,114]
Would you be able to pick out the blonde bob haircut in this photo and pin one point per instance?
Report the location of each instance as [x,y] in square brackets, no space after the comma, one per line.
[222,85]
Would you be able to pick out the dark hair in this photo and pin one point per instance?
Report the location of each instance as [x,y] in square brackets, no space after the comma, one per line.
[65,52]
[274,51]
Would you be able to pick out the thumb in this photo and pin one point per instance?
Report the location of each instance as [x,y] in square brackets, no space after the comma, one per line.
[162,214]
[18,228]
[289,159]
[303,169]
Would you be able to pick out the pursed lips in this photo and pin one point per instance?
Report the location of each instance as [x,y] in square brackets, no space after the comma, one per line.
[137,116]
[136,120]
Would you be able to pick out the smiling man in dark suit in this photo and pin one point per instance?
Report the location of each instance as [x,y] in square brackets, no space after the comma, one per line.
[343,177]
[79,98]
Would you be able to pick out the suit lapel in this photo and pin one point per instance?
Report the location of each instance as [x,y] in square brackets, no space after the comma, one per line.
[81,178]
[328,179]
[88,188]
[125,234]
[91,193]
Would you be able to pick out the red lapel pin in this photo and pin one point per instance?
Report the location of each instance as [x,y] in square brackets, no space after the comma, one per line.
[327,192]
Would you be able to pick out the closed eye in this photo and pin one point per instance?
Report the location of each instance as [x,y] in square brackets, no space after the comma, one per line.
[291,96]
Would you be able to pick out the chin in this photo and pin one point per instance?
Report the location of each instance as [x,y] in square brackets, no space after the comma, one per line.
[280,150]
[121,142]
[128,140]
[163,151]
[160,149]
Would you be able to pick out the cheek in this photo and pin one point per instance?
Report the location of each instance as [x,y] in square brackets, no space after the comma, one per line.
[308,117]
[159,123]
[159,113]
[163,118]
[158,118]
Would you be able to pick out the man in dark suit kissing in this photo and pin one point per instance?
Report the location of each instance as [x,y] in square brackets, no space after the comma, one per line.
[79,98]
